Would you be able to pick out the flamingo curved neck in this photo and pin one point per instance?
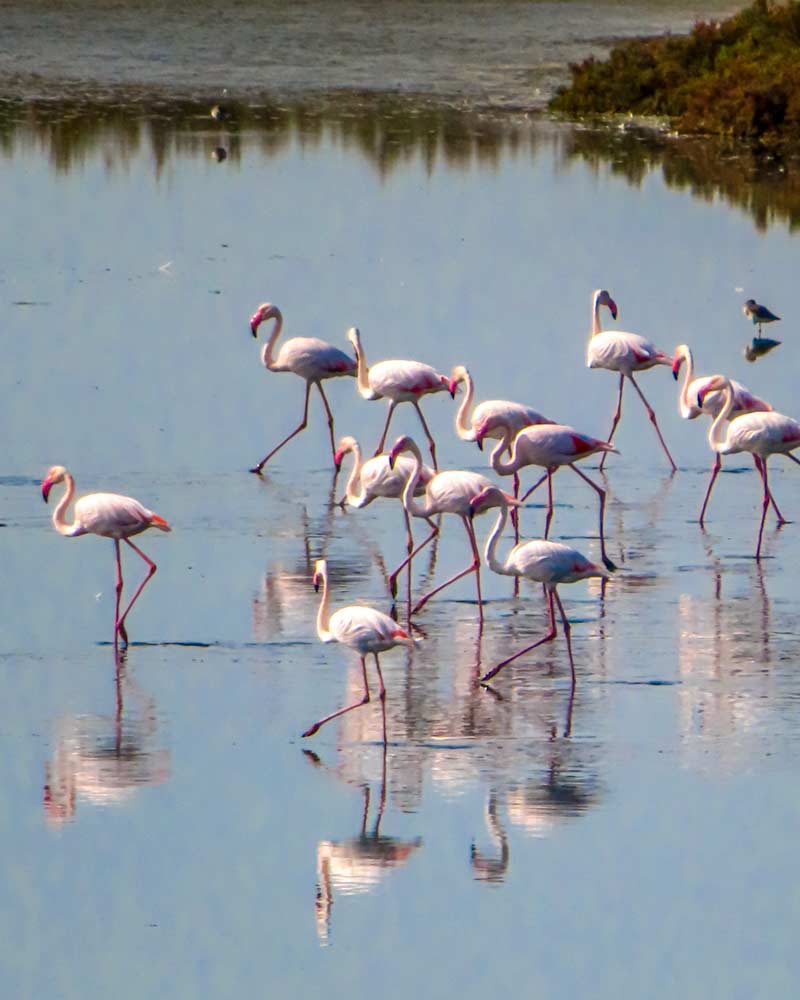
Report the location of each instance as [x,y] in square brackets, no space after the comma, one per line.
[362,372]
[59,522]
[716,438]
[323,613]
[504,467]
[596,328]
[688,376]
[266,354]
[410,502]
[464,428]
[355,499]
[491,543]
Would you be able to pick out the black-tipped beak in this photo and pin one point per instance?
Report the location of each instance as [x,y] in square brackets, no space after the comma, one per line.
[46,485]
[479,443]
[391,459]
[316,586]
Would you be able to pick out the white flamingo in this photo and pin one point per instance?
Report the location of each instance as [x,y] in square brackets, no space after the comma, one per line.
[625,353]
[743,402]
[762,434]
[399,382]
[377,478]
[308,357]
[449,492]
[361,628]
[548,563]
[551,446]
[109,515]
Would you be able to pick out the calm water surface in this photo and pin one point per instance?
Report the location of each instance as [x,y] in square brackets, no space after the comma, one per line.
[164,828]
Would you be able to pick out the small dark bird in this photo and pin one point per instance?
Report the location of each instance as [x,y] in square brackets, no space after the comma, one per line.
[220,154]
[759,347]
[758,314]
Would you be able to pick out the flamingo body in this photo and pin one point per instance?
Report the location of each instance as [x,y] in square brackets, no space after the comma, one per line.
[377,477]
[744,401]
[491,416]
[548,446]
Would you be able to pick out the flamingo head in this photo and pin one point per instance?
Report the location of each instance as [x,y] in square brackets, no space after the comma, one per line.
[345,445]
[682,353]
[54,475]
[457,376]
[265,311]
[602,298]
[480,433]
[403,443]
[491,496]
[354,336]
[320,571]
[712,385]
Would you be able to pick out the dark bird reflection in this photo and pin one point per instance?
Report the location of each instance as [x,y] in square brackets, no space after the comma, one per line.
[358,864]
[105,759]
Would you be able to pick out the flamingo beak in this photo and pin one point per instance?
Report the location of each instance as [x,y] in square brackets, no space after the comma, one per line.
[612,308]
[676,367]
[453,387]
[392,458]
[316,584]
[337,460]
[479,443]
[514,515]
[701,395]
[46,487]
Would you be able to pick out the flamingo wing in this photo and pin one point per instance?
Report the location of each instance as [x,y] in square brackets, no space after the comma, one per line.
[405,380]
[112,515]
[451,491]
[365,629]
[313,358]
[494,415]
[551,563]
[623,352]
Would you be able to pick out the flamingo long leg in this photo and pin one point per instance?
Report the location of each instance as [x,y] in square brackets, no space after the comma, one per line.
[764,506]
[474,567]
[330,418]
[714,473]
[567,631]
[428,435]
[795,460]
[118,589]
[781,519]
[550,511]
[614,420]
[548,637]
[651,413]
[382,697]
[609,565]
[396,572]
[382,441]
[300,427]
[151,568]
[349,708]
[533,488]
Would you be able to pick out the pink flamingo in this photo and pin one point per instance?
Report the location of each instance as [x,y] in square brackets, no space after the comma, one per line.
[363,629]
[762,434]
[551,446]
[625,353]
[548,563]
[308,357]
[377,478]
[111,516]
[449,492]
[743,402]
[399,382]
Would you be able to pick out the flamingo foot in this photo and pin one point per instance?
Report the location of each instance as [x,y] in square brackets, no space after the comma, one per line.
[311,730]
[256,469]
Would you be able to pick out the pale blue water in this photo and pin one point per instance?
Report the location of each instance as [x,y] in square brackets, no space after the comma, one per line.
[162,830]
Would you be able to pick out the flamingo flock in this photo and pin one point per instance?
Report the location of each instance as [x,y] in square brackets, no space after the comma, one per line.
[741,422]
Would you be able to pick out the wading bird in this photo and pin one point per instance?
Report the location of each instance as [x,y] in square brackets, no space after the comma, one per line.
[111,516]
[361,628]
[689,408]
[548,563]
[551,446]
[762,434]
[758,314]
[399,382]
[625,353]
[311,359]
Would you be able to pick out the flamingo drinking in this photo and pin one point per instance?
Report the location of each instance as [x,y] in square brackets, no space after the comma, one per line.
[111,516]
[548,563]
[625,353]
[311,359]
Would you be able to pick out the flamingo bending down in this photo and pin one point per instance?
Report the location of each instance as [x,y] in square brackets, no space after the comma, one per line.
[363,629]
[449,492]
[111,516]
[625,353]
[308,357]
[551,446]
[548,563]
[762,434]
[743,402]
[399,382]
[377,478]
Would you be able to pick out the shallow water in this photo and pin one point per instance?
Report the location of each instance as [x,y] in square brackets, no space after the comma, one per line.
[164,826]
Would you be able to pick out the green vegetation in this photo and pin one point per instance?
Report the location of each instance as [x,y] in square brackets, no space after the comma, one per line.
[738,78]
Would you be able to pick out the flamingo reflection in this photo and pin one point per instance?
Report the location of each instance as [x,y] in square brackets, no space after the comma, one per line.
[356,865]
[104,759]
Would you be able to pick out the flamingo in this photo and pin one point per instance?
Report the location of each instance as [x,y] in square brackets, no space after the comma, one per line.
[377,478]
[548,563]
[308,357]
[762,434]
[399,382]
[758,314]
[551,446]
[625,353]
[743,402]
[361,628]
[111,516]
[449,492]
